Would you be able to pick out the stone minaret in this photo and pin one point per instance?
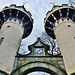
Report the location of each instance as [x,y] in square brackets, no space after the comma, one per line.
[15,24]
[60,25]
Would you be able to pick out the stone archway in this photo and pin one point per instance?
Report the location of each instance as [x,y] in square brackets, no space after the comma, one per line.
[34,66]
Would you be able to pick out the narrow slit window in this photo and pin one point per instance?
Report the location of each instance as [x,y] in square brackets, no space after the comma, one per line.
[1,40]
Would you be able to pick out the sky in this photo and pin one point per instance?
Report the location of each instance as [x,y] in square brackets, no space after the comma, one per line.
[40,73]
[38,9]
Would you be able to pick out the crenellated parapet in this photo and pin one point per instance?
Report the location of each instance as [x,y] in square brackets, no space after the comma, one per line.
[19,15]
[57,15]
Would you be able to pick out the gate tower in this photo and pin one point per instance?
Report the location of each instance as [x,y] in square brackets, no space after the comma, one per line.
[15,23]
[60,25]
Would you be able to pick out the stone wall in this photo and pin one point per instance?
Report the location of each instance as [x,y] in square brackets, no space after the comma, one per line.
[55,64]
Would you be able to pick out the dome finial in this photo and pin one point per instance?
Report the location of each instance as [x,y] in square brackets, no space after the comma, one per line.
[52,3]
[24,3]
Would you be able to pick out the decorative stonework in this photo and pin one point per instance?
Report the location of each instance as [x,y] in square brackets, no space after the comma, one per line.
[40,47]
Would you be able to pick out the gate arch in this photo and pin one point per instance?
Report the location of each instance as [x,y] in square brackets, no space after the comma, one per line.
[54,70]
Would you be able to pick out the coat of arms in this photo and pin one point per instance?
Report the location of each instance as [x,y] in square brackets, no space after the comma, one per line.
[39,50]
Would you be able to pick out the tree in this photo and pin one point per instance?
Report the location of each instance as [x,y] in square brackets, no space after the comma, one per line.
[54,50]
